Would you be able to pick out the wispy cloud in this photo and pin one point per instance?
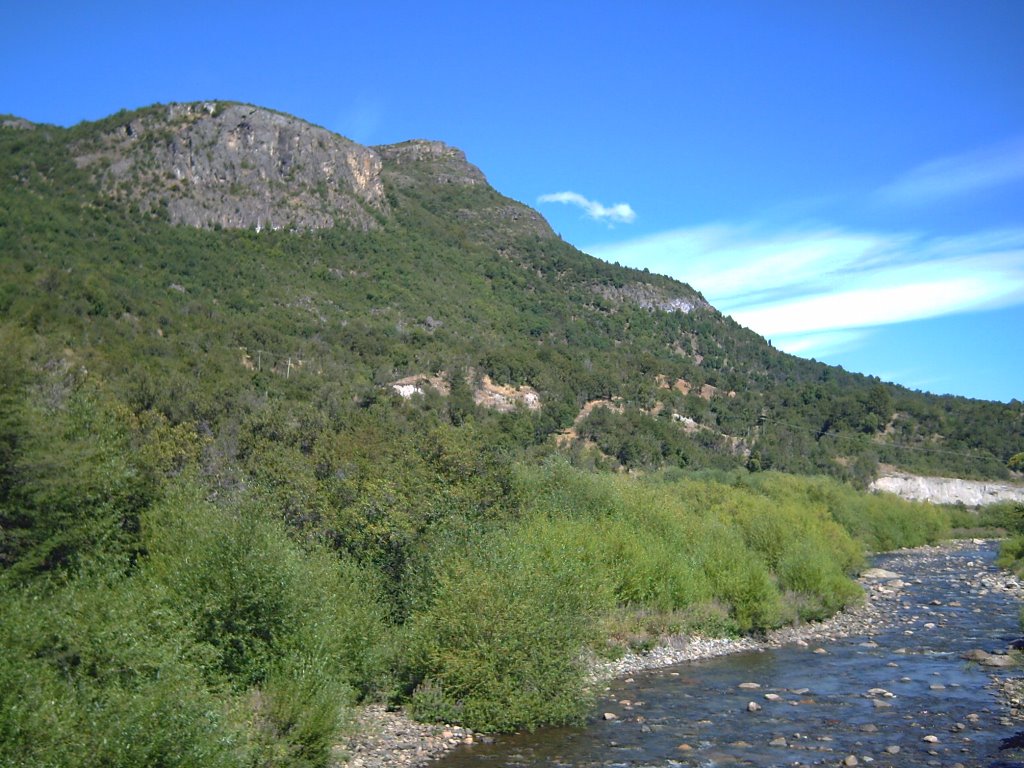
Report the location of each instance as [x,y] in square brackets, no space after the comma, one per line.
[817,290]
[958,174]
[620,213]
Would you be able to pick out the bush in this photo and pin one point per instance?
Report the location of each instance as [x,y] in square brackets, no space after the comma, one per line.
[820,586]
[697,546]
[1007,515]
[97,672]
[251,593]
[82,470]
[880,521]
[500,646]
[1011,555]
[293,627]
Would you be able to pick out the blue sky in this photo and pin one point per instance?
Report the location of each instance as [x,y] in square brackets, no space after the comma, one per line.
[846,178]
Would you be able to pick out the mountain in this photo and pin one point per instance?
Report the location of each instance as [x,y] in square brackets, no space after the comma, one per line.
[288,424]
[211,261]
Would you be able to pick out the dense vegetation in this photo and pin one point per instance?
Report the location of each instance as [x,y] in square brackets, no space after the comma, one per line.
[220,528]
[198,324]
[245,605]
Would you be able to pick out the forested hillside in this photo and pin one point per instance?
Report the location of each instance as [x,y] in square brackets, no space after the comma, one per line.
[437,274]
[288,424]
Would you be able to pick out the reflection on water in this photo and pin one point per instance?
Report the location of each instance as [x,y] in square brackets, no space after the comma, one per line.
[902,697]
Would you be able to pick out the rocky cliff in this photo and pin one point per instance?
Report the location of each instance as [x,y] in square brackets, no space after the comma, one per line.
[236,166]
[947,490]
[445,174]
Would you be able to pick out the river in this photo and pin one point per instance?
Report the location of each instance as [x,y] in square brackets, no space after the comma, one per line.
[901,695]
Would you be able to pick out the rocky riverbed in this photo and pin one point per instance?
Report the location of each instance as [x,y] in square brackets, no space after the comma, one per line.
[385,738]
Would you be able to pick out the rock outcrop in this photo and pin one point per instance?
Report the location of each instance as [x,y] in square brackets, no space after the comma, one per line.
[418,163]
[486,393]
[445,164]
[17,123]
[652,297]
[948,490]
[235,166]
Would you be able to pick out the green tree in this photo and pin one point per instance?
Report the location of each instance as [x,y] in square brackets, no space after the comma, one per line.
[1016,462]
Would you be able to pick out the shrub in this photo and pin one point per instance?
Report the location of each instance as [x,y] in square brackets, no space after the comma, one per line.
[820,586]
[298,629]
[96,672]
[251,592]
[879,521]
[1011,555]
[500,646]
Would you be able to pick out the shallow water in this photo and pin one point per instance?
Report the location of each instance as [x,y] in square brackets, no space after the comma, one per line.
[816,709]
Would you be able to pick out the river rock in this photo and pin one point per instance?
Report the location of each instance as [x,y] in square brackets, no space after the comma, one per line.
[878,573]
[987,659]
[998,660]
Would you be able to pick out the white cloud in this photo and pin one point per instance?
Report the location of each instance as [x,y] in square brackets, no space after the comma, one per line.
[621,213]
[958,174]
[816,290]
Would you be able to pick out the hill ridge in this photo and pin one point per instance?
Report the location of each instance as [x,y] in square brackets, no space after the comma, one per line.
[152,245]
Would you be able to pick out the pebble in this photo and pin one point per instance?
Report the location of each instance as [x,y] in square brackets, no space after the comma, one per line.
[880,692]
[386,739]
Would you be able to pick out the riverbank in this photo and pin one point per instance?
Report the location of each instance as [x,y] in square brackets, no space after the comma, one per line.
[385,738]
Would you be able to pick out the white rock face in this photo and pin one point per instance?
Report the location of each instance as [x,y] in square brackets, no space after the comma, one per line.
[948,490]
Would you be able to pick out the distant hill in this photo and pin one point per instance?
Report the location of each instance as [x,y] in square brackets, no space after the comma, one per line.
[211,261]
